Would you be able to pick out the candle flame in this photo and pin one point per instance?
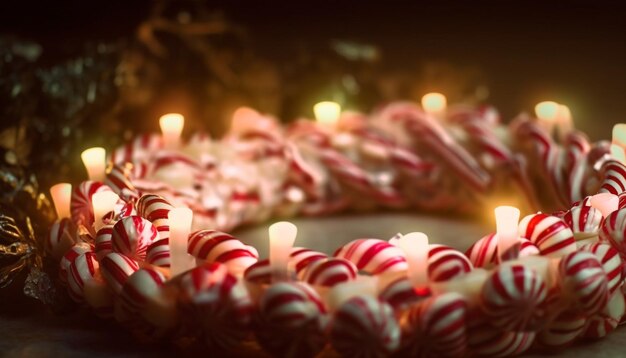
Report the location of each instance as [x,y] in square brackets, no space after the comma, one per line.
[547,110]
[327,112]
[434,102]
[94,160]
[61,195]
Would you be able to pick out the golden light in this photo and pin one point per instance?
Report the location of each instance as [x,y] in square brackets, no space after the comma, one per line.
[61,195]
[547,111]
[327,112]
[171,127]
[102,203]
[507,220]
[434,102]
[94,160]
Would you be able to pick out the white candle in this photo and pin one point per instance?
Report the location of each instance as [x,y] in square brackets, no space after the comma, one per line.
[605,202]
[547,111]
[171,127]
[102,203]
[94,160]
[415,247]
[618,153]
[507,221]
[61,195]
[282,237]
[327,112]
[434,103]
[180,226]
[619,134]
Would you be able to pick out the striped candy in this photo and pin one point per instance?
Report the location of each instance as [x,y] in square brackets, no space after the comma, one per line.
[214,303]
[613,231]
[603,323]
[118,179]
[156,209]
[216,246]
[550,234]
[104,244]
[116,268]
[562,331]
[584,221]
[611,263]
[132,236]
[259,273]
[446,263]
[513,297]
[485,341]
[614,177]
[484,252]
[69,257]
[401,294]
[80,204]
[364,326]
[330,272]
[437,327]
[83,268]
[158,253]
[583,279]
[373,256]
[140,149]
[291,320]
[301,257]
[60,238]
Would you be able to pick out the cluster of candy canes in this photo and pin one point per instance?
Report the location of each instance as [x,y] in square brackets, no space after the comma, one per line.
[560,280]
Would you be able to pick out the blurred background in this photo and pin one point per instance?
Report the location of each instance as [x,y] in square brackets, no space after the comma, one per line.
[80,73]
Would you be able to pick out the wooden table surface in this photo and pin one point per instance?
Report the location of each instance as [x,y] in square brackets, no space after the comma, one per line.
[37,333]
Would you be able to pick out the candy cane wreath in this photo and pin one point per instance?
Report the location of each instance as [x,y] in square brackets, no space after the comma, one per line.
[564,283]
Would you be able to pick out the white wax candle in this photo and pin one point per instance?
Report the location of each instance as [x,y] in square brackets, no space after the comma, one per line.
[507,221]
[171,127]
[547,111]
[102,203]
[61,195]
[180,226]
[415,247]
[362,285]
[617,151]
[282,237]
[605,202]
[94,160]
[619,134]
[327,112]
[434,103]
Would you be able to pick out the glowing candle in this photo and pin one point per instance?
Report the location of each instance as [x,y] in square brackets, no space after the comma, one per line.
[102,203]
[94,160]
[282,237]
[415,247]
[434,103]
[61,195]
[618,152]
[605,202]
[327,112]
[171,128]
[507,220]
[547,111]
[619,134]
[180,226]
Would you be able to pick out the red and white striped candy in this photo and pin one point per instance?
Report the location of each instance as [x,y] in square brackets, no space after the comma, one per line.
[156,209]
[614,181]
[301,257]
[83,268]
[61,237]
[216,246]
[373,256]
[118,179]
[104,244]
[437,327]
[80,203]
[401,294]
[69,257]
[132,236]
[613,231]
[562,331]
[550,234]
[259,273]
[291,320]
[513,297]
[141,286]
[140,149]
[603,323]
[484,252]
[584,221]
[364,326]
[330,272]
[583,279]
[158,253]
[485,341]
[446,263]
[116,268]
[611,263]
[216,305]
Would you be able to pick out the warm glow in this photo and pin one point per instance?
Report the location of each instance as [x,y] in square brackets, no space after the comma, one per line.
[434,103]
[547,111]
[327,112]
[507,220]
[171,126]
[618,153]
[619,134]
[415,247]
[102,203]
[61,194]
[605,202]
[282,237]
[94,160]
[565,114]
[180,226]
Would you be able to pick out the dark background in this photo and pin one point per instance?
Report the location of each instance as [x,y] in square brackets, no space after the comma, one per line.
[573,52]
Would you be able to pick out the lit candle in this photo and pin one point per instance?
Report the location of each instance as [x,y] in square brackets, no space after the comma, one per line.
[327,112]
[619,134]
[564,122]
[61,195]
[282,237]
[415,247]
[507,221]
[94,160]
[547,111]
[102,203]
[605,202]
[618,152]
[180,226]
[171,128]
[434,103]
